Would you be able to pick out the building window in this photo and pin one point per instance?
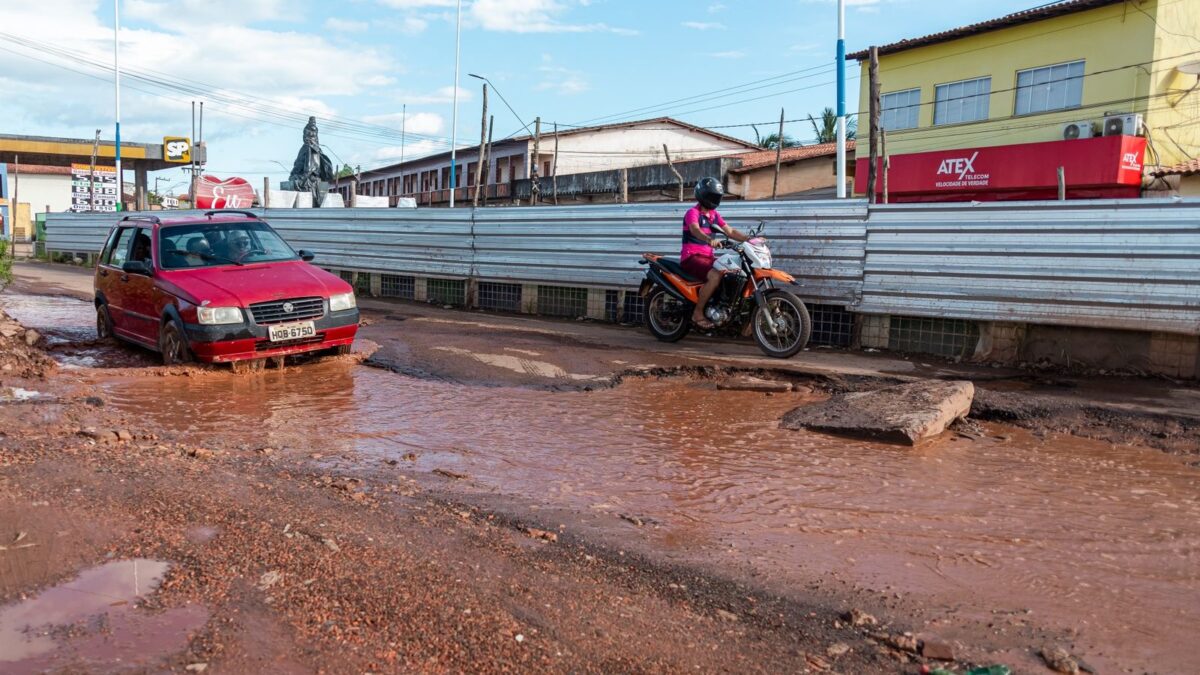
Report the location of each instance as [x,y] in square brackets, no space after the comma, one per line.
[965,101]
[900,109]
[1056,87]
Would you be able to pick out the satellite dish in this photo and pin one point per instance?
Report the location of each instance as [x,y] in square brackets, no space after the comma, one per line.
[1189,68]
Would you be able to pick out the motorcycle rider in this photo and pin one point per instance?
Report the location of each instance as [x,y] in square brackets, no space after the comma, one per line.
[700,225]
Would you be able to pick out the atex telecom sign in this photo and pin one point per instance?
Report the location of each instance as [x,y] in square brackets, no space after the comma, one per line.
[177,149]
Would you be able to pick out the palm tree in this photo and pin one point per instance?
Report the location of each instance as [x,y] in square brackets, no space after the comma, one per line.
[771,141]
[826,130]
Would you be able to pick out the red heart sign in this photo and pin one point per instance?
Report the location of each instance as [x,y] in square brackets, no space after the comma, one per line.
[232,193]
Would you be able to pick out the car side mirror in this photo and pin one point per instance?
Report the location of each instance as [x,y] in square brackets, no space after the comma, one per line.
[137,267]
[306,256]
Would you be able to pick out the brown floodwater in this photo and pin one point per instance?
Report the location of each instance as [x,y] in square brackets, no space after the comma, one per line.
[92,622]
[1066,533]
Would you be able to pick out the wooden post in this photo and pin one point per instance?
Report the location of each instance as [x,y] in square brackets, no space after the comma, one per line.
[266,200]
[678,176]
[778,157]
[1062,184]
[871,169]
[92,174]
[354,191]
[487,160]
[482,149]
[623,195]
[554,166]
[14,210]
[535,190]
[887,162]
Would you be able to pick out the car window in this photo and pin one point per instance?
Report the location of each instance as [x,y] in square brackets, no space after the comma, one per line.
[216,244]
[120,250]
[141,246]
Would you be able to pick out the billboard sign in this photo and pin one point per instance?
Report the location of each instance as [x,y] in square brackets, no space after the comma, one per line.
[231,193]
[177,149]
[105,194]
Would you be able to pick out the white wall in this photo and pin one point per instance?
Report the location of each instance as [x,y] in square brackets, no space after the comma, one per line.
[38,190]
[635,146]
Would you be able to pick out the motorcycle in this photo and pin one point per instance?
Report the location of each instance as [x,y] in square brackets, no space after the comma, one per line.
[747,301]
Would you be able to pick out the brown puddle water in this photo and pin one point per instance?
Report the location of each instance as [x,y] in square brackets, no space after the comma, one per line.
[1086,535]
[68,327]
[91,622]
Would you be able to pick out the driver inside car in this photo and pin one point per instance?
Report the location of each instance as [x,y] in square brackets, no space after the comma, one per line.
[701,224]
[239,247]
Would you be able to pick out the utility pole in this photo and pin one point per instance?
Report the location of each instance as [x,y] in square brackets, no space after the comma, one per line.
[554,166]
[403,124]
[117,97]
[14,211]
[1062,184]
[841,100]
[887,162]
[454,114]
[482,149]
[92,174]
[873,72]
[778,157]
[535,190]
[200,144]
[671,165]
[195,158]
[487,159]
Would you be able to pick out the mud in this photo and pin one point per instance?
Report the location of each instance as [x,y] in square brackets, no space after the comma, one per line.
[673,506]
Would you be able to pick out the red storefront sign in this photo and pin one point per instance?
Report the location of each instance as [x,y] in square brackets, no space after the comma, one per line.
[231,193]
[1107,166]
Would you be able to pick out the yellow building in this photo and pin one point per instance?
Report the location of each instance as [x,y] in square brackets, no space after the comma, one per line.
[1056,72]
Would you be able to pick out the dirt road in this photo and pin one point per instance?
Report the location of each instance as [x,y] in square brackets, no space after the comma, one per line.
[491,492]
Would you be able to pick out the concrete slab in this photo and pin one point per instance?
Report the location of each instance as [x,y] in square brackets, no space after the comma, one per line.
[907,413]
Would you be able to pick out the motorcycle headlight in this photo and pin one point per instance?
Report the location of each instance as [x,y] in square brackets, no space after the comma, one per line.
[342,302]
[211,316]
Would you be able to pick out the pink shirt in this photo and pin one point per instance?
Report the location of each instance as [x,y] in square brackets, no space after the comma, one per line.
[691,244]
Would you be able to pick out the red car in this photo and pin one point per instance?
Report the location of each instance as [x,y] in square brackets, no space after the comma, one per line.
[220,287]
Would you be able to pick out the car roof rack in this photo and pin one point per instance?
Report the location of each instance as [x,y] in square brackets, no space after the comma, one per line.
[248,214]
[152,219]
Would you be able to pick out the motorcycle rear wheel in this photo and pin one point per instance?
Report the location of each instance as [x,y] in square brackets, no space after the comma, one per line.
[667,317]
[793,327]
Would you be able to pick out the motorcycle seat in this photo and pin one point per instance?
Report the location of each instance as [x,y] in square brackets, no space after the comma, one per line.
[671,265]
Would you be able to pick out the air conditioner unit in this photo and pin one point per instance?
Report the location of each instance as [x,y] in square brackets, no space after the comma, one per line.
[1123,125]
[1073,130]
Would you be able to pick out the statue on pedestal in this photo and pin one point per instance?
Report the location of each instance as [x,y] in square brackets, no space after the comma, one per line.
[312,171]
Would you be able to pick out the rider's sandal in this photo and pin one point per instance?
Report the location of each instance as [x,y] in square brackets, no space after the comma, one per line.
[704,324]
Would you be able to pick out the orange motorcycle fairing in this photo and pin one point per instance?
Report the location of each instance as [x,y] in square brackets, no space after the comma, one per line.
[689,289]
[774,274]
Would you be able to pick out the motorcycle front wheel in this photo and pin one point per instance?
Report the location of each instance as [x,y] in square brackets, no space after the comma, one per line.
[667,317]
[791,321]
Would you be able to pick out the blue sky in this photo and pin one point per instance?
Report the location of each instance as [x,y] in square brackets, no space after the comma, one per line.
[261,65]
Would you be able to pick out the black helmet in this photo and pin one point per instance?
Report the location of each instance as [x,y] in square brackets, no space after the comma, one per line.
[709,192]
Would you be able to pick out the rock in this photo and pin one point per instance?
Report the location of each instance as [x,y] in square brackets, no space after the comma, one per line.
[837,649]
[1059,660]
[933,648]
[747,383]
[32,337]
[89,432]
[331,545]
[450,474]
[727,616]
[857,617]
[907,413]
[124,436]
[269,579]
[541,534]
[196,667]
[9,329]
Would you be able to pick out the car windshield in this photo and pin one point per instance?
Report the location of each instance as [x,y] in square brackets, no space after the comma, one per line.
[215,244]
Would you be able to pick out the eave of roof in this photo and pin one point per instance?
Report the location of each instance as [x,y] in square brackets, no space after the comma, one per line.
[1006,21]
[764,158]
[1188,168]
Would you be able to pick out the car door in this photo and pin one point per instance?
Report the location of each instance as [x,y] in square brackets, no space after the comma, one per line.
[138,293]
[108,278]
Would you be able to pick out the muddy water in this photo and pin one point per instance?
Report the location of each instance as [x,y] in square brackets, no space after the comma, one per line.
[68,327]
[91,622]
[1083,534]
[1059,531]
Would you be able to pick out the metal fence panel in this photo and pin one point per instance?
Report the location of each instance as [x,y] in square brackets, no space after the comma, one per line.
[1132,264]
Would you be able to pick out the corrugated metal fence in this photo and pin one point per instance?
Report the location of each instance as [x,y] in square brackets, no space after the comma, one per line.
[1131,264]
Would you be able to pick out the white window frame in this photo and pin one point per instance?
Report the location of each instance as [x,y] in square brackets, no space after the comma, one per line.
[1057,86]
[906,102]
[962,101]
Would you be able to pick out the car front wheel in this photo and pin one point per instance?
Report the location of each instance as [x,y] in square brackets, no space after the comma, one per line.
[172,343]
[104,327]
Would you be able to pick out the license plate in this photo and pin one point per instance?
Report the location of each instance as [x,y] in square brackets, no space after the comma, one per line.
[292,331]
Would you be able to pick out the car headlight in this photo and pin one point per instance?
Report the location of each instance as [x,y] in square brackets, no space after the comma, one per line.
[341,302]
[211,316]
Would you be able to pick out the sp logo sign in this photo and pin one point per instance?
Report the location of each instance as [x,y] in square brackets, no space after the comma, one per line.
[177,149]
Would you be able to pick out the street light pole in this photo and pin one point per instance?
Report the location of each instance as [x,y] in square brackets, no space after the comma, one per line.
[454,114]
[841,100]
[117,97]
[506,103]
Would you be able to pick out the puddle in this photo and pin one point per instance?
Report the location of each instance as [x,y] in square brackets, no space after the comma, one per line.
[19,395]
[92,622]
[1085,534]
[68,328]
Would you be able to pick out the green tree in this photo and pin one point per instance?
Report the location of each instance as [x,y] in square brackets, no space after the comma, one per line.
[771,141]
[825,130]
[346,172]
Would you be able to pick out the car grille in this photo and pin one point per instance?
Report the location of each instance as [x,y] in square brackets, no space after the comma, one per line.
[276,312]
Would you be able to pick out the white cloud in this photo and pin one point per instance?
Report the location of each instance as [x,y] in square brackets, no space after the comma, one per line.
[715,7]
[346,25]
[174,14]
[441,95]
[417,4]
[409,151]
[423,123]
[531,16]
[413,25]
[704,25]
[734,54]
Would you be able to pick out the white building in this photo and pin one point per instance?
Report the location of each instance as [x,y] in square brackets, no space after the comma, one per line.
[580,150]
